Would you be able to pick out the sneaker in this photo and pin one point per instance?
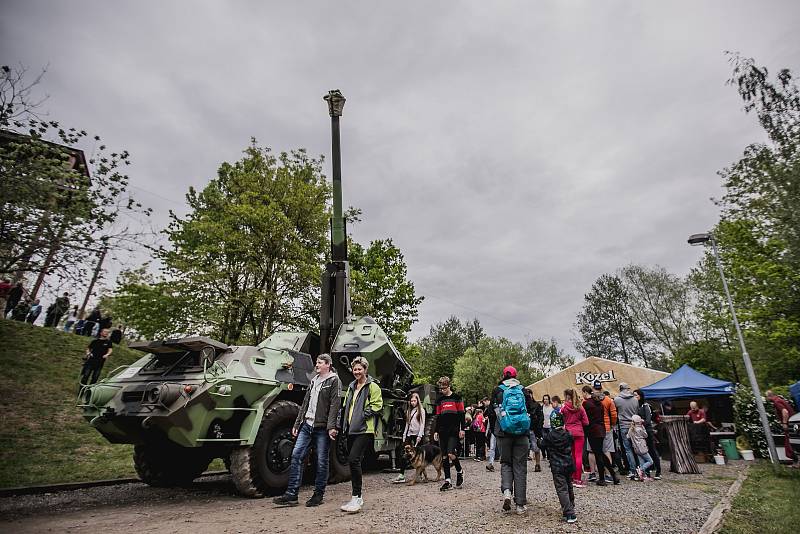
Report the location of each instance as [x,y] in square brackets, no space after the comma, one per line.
[592,477]
[489,467]
[639,473]
[353,506]
[631,475]
[401,478]
[522,510]
[657,477]
[571,519]
[478,459]
[446,486]
[601,483]
[537,468]
[578,484]
[507,500]
[459,479]
[285,500]
[315,500]
[608,478]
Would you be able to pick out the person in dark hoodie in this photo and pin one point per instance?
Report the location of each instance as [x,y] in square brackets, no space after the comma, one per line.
[627,407]
[562,464]
[596,432]
[513,404]
[315,423]
[362,405]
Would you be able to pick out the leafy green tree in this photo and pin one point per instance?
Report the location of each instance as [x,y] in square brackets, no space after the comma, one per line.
[479,369]
[50,206]
[473,332]
[545,357]
[250,251]
[440,349]
[381,288]
[606,325]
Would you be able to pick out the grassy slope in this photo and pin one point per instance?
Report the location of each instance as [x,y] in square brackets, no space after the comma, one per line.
[767,502]
[43,438]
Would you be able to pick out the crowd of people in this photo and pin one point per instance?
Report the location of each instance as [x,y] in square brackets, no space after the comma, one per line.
[616,436]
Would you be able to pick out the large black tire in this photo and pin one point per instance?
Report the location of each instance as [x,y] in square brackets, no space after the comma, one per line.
[263,468]
[166,465]
[338,468]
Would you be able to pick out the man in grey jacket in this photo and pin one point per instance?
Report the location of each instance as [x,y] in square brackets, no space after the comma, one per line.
[627,407]
[316,422]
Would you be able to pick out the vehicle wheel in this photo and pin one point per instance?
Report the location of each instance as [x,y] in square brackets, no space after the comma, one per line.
[227,461]
[165,465]
[339,469]
[263,468]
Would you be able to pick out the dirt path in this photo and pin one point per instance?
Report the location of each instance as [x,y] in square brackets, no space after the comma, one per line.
[679,503]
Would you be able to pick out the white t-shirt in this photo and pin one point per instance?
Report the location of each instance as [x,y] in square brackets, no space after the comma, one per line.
[547,410]
[316,384]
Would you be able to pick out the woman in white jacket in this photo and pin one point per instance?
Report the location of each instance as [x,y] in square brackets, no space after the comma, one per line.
[415,430]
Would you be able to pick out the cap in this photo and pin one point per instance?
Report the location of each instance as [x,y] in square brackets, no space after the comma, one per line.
[623,385]
[637,418]
[597,385]
[510,372]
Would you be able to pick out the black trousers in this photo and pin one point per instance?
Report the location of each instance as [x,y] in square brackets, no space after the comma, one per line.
[91,371]
[357,445]
[651,448]
[480,445]
[596,444]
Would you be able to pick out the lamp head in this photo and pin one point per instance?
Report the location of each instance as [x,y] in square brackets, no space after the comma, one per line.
[335,101]
[699,239]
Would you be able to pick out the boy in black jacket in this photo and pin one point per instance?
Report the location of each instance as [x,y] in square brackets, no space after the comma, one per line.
[559,446]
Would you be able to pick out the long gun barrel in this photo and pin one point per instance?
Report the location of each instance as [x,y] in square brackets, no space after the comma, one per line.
[335,306]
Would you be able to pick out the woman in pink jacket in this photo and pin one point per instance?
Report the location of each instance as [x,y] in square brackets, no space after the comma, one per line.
[574,420]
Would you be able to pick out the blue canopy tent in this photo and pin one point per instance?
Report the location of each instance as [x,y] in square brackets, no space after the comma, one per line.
[686,382]
[794,391]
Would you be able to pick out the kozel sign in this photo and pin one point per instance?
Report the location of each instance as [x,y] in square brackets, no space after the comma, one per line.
[587,377]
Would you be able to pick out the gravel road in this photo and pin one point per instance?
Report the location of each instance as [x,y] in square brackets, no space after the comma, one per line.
[676,504]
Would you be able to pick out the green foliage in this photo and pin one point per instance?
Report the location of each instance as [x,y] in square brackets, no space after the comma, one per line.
[381,289]
[546,358]
[748,422]
[247,257]
[44,438]
[480,368]
[712,358]
[444,344]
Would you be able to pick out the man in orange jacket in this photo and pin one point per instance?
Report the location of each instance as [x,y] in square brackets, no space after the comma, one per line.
[609,418]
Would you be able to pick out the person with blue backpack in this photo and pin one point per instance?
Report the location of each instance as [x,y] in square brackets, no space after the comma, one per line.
[513,405]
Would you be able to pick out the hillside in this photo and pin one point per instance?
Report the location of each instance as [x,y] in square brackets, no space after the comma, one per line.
[43,438]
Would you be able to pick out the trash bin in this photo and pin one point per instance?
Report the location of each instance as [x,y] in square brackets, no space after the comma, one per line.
[729,446]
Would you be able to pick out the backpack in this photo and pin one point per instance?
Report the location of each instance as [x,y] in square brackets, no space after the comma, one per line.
[514,418]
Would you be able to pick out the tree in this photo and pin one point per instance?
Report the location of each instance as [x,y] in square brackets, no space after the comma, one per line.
[546,358]
[606,324]
[251,249]
[381,288]
[479,369]
[440,349]
[473,332]
[51,210]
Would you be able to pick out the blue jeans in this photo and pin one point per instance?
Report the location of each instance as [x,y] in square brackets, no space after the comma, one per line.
[645,462]
[628,446]
[305,435]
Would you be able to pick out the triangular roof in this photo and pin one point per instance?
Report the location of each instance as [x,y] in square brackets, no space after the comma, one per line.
[610,372]
[686,382]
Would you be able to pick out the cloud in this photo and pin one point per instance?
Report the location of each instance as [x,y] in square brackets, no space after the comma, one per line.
[514,151]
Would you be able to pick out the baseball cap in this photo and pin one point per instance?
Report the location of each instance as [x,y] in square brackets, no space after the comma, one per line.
[510,372]
[623,385]
[637,418]
[597,385]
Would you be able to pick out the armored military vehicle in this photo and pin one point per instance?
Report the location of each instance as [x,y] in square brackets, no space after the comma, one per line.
[190,400]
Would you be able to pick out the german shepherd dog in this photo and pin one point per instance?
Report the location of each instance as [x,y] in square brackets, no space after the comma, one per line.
[420,457]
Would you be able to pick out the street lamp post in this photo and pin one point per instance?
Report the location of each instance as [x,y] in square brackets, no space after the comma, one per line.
[702,239]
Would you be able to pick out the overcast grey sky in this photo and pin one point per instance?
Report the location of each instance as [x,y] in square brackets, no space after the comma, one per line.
[514,151]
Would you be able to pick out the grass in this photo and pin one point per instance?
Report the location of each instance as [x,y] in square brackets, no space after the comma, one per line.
[43,438]
[766,503]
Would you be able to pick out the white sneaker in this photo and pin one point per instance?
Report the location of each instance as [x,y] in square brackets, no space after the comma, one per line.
[354,506]
[522,510]
[400,479]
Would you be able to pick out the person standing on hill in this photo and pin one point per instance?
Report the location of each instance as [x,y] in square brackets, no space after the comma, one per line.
[513,404]
[97,353]
[448,431]
[34,312]
[14,296]
[92,321]
[72,318]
